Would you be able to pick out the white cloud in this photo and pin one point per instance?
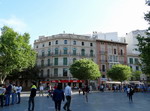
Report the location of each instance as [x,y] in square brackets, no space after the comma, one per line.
[15,23]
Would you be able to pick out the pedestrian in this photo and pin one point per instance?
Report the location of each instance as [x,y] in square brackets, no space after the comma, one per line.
[102,88]
[18,91]
[58,96]
[90,88]
[2,93]
[86,92]
[41,90]
[130,92]
[68,93]
[32,96]
[79,90]
[14,94]
[7,94]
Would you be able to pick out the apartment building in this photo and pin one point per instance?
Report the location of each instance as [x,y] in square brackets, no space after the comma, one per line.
[110,53]
[56,53]
[132,54]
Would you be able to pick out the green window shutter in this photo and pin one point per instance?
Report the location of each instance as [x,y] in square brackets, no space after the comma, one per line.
[64,61]
[56,61]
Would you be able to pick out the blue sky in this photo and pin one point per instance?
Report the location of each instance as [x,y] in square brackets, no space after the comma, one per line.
[49,17]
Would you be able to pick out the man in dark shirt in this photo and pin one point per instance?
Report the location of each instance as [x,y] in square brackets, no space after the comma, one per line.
[32,95]
[7,94]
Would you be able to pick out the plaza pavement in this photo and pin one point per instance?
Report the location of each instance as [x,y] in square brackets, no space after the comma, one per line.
[98,101]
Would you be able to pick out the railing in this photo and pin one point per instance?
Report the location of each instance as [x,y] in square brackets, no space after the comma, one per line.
[68,54]
[103,52]
[52,65]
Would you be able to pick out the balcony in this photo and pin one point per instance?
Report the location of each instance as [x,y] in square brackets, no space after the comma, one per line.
[121,54]
[103,52]
[103,61]
[52,65]
[62,54]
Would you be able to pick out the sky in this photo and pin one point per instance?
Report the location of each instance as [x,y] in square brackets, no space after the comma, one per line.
[50,17]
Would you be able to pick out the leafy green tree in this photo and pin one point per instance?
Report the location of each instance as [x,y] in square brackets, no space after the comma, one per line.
[15,52]
[136,75]
[31,73]
[85,69]
[119,72]
[144,47]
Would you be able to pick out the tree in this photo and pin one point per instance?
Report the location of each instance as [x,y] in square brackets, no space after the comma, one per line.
[144,47]
[31,73]
[136,75]
[119,72]
[15,52]
[85,69]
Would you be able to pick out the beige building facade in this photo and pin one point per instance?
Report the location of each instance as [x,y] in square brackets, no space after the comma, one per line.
[56,53]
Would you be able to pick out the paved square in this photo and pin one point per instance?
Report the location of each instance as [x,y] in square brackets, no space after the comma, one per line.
[107,101]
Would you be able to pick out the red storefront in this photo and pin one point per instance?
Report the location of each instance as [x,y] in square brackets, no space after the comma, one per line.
[77,83]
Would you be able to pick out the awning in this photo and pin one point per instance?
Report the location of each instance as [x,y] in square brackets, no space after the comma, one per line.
[63,81]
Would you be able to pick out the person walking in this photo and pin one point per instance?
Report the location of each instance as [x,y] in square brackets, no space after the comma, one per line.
[18,91]
[14,94]
[41,90]
[58,96]
[2,92]
[130,92]
[86,92]
[68,93]
[32,96]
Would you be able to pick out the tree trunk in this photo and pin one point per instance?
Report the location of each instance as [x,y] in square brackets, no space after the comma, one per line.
[2,79]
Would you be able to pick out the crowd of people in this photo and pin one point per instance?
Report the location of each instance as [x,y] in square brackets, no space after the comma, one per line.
[123,88]
[10,93]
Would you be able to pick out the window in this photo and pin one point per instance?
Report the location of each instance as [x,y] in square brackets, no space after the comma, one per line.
[56,72]
[49,43]
[74,59]
[91,53]
[131,60]
[121,52]
[74,51]
[37,46]
[103,76]
[56,50]
[74,42]
[48,75]
[65,61]
[65,50]
[42,63]
[136,60]
[42,73]
[43,45]
[65,71]
[110,58]
[55,61]
[103,68]
[82,52]
[49,52]
[82,43]
[43,53]
[137,68]
[48,62]
[91,44]
[56,42]
[65,41]
[115,51]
